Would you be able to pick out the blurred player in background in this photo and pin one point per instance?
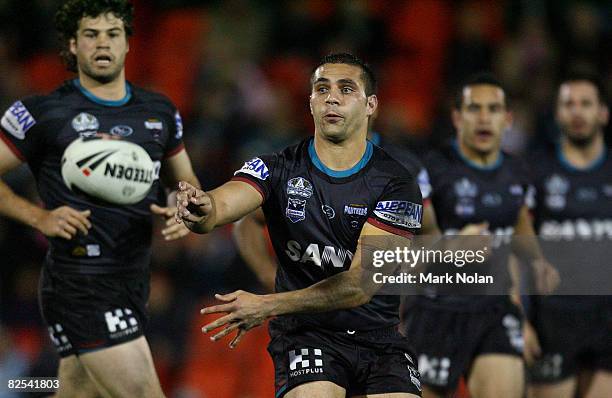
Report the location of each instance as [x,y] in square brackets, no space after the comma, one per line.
[473,182]
[332,337]
[573,201]
[95,279]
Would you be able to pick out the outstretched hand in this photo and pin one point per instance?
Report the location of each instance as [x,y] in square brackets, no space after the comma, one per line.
[243,311]
[192,204]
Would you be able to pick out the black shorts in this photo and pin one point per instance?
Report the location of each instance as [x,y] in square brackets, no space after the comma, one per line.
[373,362]
[572,337]
[85,313]
[447,341]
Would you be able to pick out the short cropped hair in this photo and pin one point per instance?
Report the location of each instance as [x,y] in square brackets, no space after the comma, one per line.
[476,80]
[367,75]
[589,77]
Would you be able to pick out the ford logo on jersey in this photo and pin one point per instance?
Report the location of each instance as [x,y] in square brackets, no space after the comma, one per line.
[122,130]
[400,213]
[256,168]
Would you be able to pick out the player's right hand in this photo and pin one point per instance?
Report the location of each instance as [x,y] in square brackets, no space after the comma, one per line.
[532,350]
[192,204]
[64,222]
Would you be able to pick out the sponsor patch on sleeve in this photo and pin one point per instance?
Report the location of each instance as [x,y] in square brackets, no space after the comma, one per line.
[17,120]
[400,213]
[424,184]
[256,168]
[179,125]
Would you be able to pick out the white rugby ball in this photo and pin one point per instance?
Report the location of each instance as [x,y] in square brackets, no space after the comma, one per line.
[116,171]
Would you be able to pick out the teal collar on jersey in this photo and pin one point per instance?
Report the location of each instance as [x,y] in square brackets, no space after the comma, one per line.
[342,173]
[471,163]
[100,101]
[375,138]
[595,164]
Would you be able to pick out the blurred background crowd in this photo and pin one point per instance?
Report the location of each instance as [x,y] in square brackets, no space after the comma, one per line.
[238,71]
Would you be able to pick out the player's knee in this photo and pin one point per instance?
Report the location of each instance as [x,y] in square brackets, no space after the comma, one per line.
[74,380]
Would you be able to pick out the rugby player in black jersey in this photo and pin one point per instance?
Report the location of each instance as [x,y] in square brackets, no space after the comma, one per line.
[331,336]
[251,237]
[95,279]
[573,205]
[478,336]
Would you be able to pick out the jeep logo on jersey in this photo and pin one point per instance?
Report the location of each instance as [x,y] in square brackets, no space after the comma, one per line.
[84,122]
[256,168]
[296,210]
[400,213]
[299,186]
[122,130]
[313,253]
[17,120]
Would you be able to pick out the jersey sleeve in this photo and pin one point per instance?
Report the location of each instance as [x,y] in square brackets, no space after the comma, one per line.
[175,138]
[257,172]
[424,185]
[20,130]
[399,209]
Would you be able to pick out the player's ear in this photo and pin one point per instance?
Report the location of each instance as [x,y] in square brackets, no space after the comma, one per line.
[509,119]
[456,117]
[604,114]
[372,104]
[72,45]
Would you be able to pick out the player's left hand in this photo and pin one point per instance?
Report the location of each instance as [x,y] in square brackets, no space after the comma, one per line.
[546,276]
[243,310]
[173,230]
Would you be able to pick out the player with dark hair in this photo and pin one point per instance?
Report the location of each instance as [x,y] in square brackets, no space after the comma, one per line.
[478,336]
[573,204]
[252,240]
[95,279]
[331,336]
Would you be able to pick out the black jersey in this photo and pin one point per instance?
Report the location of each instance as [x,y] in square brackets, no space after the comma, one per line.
[465,193]
[572,211]
[409,160]
[38,130]
[315,216]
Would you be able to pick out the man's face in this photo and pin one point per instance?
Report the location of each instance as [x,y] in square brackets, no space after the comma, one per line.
[580,114]
[482,119]
[338,102]
[100,47]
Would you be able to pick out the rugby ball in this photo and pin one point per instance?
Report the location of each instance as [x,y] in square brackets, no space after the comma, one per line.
[113,170]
